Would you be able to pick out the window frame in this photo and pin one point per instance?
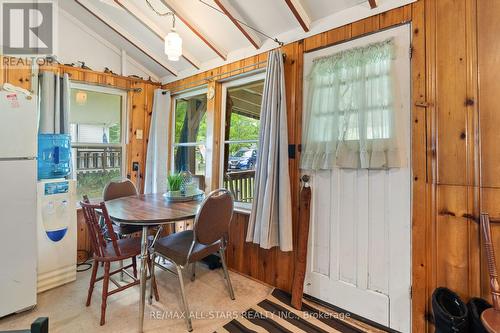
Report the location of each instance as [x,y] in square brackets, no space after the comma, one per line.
[250,77]
[181,95]
[124,138]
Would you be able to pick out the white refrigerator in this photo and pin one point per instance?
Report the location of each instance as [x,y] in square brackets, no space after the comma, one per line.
[18,185]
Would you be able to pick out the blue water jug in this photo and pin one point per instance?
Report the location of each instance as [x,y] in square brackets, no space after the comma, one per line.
[54,156]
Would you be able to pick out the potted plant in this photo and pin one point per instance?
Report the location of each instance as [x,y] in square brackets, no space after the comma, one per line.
[174,183]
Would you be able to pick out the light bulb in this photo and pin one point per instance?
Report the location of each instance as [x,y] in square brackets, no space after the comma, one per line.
[173,46]
[81,98]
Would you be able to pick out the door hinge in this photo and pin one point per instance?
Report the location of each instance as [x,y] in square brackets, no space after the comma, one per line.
[411,51]
[411,292]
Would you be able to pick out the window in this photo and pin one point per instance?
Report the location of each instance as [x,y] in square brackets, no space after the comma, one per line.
[97,118]
[351,111]
[241,136]
[190,133]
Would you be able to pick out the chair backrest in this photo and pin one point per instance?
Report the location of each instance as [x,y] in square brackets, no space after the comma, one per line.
[212,221]
[98,234]
[115,190]
[490,257]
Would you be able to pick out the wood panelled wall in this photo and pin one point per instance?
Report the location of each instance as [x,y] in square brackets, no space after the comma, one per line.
[16,75]
[456,162]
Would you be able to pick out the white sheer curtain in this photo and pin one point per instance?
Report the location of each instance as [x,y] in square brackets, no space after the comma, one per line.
[350,118]
[270,223]
[156,159]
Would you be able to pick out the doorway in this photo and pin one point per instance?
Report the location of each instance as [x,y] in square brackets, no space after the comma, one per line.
[359,255]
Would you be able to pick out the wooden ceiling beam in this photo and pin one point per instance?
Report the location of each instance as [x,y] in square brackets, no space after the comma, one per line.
[87,5]
[182,15]
[300,13]
[373,4]
[235,17]
[153,27]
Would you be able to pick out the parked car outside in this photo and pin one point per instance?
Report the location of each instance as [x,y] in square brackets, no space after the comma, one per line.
[243,159]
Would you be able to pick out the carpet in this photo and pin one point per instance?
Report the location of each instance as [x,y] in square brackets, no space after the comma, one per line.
[276,315]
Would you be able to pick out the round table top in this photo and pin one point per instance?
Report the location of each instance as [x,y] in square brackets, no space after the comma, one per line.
[150,209]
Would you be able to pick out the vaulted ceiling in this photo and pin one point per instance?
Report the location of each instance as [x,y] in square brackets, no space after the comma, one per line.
[211,30]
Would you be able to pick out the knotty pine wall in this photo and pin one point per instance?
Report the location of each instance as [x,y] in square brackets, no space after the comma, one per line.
[455,135]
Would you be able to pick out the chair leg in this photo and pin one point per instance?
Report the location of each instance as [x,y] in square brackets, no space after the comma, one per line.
[134,266]
[193,273]
[95,265]
[153,279]
[184,300]
[121,271]
[153,287]
[226,273]
[105,285]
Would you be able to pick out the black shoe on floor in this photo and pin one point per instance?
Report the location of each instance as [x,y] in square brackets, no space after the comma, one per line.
[450,312]
[476,306]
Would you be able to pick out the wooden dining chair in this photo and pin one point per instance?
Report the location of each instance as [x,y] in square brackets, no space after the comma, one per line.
[108,248]
[209,236]
[115,190]
[491,317]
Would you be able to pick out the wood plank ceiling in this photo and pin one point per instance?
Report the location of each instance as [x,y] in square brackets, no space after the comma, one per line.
[214,31]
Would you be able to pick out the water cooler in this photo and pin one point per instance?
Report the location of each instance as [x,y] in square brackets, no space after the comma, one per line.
[56,221]
[56,233]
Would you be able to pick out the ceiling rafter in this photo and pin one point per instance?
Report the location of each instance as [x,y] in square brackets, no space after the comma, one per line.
[153,27]
[300,13]
[373,4]
[235,17]
[181,14]
[85,4]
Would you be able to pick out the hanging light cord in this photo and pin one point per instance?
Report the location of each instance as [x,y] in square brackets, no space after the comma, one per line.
[162,14]
[276,40]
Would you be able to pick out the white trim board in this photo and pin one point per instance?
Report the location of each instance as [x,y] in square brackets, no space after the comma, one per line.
[104,42]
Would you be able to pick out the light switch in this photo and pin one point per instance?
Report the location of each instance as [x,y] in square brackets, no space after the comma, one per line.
[139,134]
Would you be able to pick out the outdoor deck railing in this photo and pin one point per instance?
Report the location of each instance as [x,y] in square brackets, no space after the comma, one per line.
[93,159]
[241,184]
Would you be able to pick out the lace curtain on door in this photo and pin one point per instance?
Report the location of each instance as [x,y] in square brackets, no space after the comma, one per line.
[351,116]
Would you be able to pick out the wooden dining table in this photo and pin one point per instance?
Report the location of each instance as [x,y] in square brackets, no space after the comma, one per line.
[148,211]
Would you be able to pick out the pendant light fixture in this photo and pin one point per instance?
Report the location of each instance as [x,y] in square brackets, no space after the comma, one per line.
[173,42]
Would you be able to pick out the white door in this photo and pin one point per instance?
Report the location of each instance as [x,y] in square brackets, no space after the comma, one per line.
[360,239]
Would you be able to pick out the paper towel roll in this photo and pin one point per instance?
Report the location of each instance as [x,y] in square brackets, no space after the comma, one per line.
[47,103]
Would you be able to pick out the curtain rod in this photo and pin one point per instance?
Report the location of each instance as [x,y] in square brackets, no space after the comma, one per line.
[210,78]
[136,90]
